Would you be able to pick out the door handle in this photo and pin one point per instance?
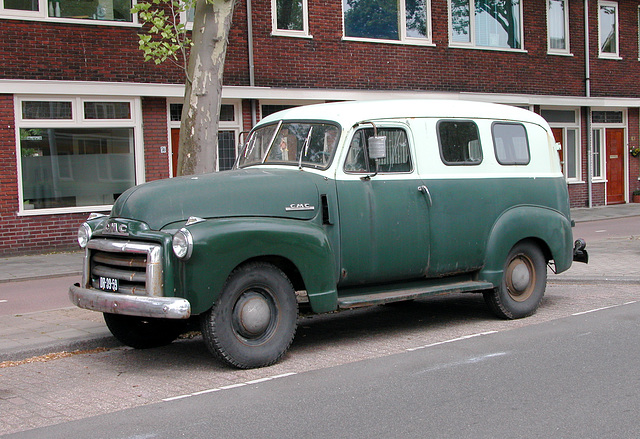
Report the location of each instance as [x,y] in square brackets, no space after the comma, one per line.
[425,190]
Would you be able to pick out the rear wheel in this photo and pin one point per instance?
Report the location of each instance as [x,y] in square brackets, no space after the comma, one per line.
[253,322]
[523,283]
[143,332]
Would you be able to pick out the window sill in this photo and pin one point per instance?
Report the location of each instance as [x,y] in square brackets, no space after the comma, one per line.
[491,49]
[426,43]
[292,34]
[70,21]
[63,210]
[569,54]
[575,181]
[611,57]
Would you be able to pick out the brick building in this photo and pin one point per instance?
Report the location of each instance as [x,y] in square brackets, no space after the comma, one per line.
[82,117]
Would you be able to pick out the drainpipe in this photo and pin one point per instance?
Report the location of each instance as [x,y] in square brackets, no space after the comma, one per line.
[587,82]
[252,79]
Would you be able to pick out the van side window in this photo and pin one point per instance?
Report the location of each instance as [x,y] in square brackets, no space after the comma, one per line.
[459,142]
[511,143]
[398,158]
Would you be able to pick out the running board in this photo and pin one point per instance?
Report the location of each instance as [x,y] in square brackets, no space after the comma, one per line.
[385,294]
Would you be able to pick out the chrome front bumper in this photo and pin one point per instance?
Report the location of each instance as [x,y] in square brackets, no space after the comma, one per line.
[143,306]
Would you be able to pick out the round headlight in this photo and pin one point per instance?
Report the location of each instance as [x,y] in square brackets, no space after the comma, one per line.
[182,244]
[84,235]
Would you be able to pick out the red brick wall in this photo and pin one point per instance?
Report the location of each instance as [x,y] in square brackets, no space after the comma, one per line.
[154,128]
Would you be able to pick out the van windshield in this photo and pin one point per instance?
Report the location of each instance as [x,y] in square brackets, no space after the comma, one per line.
[309,144]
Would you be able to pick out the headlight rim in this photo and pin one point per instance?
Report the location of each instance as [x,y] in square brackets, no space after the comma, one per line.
[188,239]
[84,235]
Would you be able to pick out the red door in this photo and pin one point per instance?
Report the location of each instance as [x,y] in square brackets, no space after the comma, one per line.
[615,165]
[557,135]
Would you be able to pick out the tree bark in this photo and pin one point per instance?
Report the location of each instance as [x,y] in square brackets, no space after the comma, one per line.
[198,151]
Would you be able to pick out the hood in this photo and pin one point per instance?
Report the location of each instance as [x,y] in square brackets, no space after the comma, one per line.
[244,192]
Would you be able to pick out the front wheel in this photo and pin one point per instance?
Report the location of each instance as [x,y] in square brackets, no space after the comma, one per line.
[143,332]
[253,322]
[523,283]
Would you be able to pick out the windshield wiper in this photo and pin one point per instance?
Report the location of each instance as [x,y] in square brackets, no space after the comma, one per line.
[305,148]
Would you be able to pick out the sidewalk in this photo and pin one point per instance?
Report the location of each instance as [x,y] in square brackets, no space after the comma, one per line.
[67,329]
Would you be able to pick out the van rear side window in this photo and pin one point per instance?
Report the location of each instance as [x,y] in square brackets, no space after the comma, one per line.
[510,143]
[459,142]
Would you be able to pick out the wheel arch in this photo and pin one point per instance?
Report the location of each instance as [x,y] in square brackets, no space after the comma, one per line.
[300,249]
[549,229]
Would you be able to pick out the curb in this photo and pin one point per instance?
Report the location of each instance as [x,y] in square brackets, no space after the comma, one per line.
[40,277]
[81,343]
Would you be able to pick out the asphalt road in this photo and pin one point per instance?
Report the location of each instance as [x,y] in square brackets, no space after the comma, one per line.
[574,377]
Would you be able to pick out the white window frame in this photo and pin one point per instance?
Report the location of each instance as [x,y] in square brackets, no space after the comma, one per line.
[78,121]
[304,33]
[600,129]
[42,14]
[472,31]
[402,24]
[567,49]
[565,127]
[235,125]
[607,55]
[638,33]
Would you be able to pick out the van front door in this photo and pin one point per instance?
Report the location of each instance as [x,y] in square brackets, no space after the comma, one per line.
[384,219]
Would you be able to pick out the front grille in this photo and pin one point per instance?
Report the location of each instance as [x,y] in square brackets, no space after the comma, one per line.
[124,267]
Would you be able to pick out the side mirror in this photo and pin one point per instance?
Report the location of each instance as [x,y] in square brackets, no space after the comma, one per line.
[377,147]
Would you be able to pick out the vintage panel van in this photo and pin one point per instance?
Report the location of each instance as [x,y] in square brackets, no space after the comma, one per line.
[329,207]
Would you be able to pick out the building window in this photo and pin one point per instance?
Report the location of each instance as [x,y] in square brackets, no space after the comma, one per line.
[566,131]
[69,10]
[397,156]
[229,127]
[459,142]
[607,117]
[75,154]
[608,29]
[290,18]
[486,23]
[597,153]
[407,21]
[558,26]
[510,143]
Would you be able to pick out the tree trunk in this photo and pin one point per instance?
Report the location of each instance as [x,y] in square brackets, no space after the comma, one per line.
[198,151]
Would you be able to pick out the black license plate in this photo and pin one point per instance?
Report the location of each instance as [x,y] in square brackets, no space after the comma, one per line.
[108,283]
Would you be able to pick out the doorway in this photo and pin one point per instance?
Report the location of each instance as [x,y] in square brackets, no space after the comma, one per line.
[614,147]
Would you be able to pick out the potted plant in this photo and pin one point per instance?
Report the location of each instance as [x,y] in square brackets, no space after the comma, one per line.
[635,196]
[634,151]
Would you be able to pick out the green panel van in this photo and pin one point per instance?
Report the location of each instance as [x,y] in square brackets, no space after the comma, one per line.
[329,207]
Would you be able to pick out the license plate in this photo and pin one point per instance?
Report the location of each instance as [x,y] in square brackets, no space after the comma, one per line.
[108,284]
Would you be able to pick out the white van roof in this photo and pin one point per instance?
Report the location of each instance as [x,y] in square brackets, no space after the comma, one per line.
[351,112]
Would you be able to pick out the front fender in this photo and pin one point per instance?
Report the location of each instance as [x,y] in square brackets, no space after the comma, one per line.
[223,244]
[527,222]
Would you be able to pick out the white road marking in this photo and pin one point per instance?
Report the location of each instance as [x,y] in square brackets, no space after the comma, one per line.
[231,386]
[464,337]
[603,308]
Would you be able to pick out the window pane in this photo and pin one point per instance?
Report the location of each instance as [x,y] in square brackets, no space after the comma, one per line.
[227,113]
[570,155]
[606,117]
[257,146]
[175,112]
[226,150]
[608,37]
[498,23]
[111,10]
[511,144]
[371,19]
[416,15]
[459,142]
[460,21]
[597,168]
[304,143]
[69,167]
[398,158]
[270,109]
[46,110]
[559,116]
[290,15]
[107,110]
[557,21]
[22,5]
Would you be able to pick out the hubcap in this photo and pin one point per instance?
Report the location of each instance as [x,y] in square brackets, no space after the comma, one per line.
[520,278]
[252,315]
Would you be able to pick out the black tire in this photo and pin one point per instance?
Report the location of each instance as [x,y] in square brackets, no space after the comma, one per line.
[253,322]
[143,332]
[523,283]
